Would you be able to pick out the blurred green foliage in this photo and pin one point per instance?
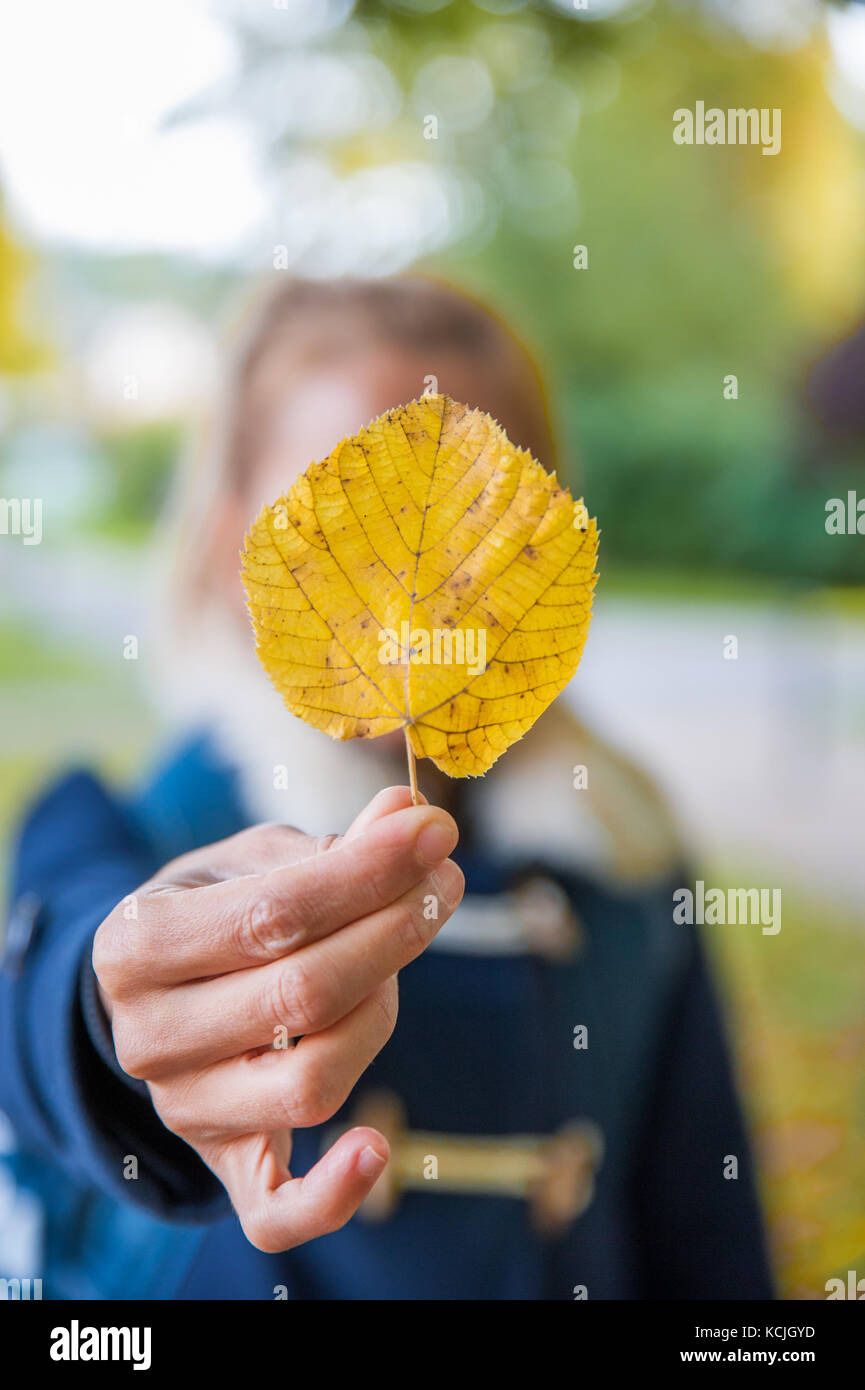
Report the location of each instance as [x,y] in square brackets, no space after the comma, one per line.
[142,462]
[19,350]
[698,267]
[702,262]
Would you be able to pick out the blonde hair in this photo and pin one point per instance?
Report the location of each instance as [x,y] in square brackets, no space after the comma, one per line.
[304,323]
[307,322]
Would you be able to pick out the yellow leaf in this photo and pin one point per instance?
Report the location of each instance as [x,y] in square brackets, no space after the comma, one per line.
[429,576]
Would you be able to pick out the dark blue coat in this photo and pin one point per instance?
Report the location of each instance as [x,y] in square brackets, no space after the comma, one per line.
[483,1046]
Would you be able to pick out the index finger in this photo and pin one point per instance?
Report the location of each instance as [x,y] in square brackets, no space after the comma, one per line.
[202,932]
[277,1211]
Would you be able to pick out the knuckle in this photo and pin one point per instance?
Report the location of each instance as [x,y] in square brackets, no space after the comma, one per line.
[330,1223]
[175,870]
[263,833]
[315,1099]
[381,884]
[269,837]
[260,1232]
[321,844]
[412,927]
[103,959]
[261,927]
[387,1001]
[131,1047]
[110,960]
[296,1000]
[172,1105]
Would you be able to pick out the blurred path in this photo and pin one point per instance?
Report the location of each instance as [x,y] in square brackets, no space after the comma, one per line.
[764,755]
[92,593]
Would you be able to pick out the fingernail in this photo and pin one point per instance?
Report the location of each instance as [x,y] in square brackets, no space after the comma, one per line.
[436,841]
[448,883]
[370,1163]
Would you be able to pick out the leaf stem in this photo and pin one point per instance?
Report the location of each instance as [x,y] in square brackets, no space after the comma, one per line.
[412,766]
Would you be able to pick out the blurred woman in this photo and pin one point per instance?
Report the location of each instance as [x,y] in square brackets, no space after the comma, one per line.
[552,1114]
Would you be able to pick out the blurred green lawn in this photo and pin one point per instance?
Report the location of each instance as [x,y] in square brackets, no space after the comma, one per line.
[796,1021]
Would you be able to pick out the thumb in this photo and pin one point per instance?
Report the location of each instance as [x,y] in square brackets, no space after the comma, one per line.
[384,803]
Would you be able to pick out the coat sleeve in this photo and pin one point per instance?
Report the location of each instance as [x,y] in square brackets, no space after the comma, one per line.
[60,1085]
[701,1232]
